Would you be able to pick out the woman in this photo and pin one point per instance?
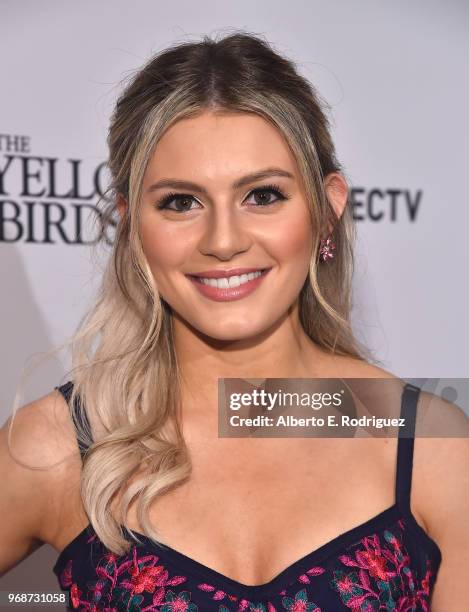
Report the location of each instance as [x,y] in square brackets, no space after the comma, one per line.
[223,168]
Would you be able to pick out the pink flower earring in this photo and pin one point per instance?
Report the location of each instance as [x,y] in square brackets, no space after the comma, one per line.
[326,248]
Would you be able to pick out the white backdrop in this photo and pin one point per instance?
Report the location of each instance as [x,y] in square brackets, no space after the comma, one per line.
[394,75]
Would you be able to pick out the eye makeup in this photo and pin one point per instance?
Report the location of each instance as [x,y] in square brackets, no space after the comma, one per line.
[163,203]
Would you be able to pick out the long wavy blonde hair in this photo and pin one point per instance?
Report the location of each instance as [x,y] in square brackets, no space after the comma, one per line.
[124,365]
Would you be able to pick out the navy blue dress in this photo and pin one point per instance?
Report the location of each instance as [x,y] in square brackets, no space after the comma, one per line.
[386,563]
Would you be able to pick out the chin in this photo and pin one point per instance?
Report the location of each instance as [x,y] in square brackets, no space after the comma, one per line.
[230,331]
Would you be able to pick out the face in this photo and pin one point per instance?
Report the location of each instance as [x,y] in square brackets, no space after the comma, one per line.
[222,196]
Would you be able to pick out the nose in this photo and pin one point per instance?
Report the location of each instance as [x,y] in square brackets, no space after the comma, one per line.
[225,234]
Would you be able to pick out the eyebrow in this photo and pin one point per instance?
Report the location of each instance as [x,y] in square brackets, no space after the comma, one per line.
[241,182]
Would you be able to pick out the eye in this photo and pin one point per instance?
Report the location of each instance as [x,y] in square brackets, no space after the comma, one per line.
[263,195]
[182,200]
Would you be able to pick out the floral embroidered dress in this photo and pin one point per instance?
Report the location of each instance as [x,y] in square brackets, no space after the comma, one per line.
[386,563]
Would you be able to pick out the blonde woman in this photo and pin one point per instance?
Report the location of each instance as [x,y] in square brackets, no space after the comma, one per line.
[223,168]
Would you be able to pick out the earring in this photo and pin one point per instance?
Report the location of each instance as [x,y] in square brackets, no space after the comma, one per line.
[326,248]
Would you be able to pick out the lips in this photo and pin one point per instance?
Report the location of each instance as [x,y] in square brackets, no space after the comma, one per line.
[214,284]
[225,273]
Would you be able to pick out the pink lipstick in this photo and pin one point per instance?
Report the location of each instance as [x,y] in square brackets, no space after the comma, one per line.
[228,285]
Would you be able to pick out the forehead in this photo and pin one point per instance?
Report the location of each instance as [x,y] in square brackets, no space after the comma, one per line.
[213,145]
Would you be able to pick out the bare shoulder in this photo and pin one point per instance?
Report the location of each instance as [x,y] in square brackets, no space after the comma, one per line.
[442,467]
[41,431]
[442,459]
[38,461]
[351,367]
[440,480]
[376,390]
[345,366]
[441,448]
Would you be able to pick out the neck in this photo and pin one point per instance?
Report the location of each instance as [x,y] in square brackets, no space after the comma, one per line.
[284,351]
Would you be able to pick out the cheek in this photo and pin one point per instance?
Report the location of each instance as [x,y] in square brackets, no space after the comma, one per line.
[165,249]
[292,241]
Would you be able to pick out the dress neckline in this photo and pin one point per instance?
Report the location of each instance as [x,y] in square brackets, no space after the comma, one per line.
[207,575]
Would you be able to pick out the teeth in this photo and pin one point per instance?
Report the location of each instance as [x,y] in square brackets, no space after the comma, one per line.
[230,281]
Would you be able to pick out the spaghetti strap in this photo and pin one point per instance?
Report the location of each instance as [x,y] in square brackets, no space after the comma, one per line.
[76,414]
[405,445]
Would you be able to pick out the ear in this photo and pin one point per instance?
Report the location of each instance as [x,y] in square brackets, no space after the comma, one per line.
[337,193]
[121,205]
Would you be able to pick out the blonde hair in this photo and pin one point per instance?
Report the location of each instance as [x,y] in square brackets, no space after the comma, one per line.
[131,380]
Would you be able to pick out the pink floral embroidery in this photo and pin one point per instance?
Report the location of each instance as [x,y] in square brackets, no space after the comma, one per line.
[374,573]
[75,595]
[243,604]
[300,603]
[314,571]
[120,585]
[66,575]
[382,579]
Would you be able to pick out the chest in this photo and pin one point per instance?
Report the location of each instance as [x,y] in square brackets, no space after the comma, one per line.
[251,508]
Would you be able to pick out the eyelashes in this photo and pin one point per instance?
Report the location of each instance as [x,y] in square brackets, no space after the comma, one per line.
[163,204]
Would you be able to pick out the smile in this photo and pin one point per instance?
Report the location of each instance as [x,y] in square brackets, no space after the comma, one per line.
[227,288]
[229,281]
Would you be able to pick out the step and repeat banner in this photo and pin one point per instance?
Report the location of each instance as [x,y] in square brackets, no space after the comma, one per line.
[393,76]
